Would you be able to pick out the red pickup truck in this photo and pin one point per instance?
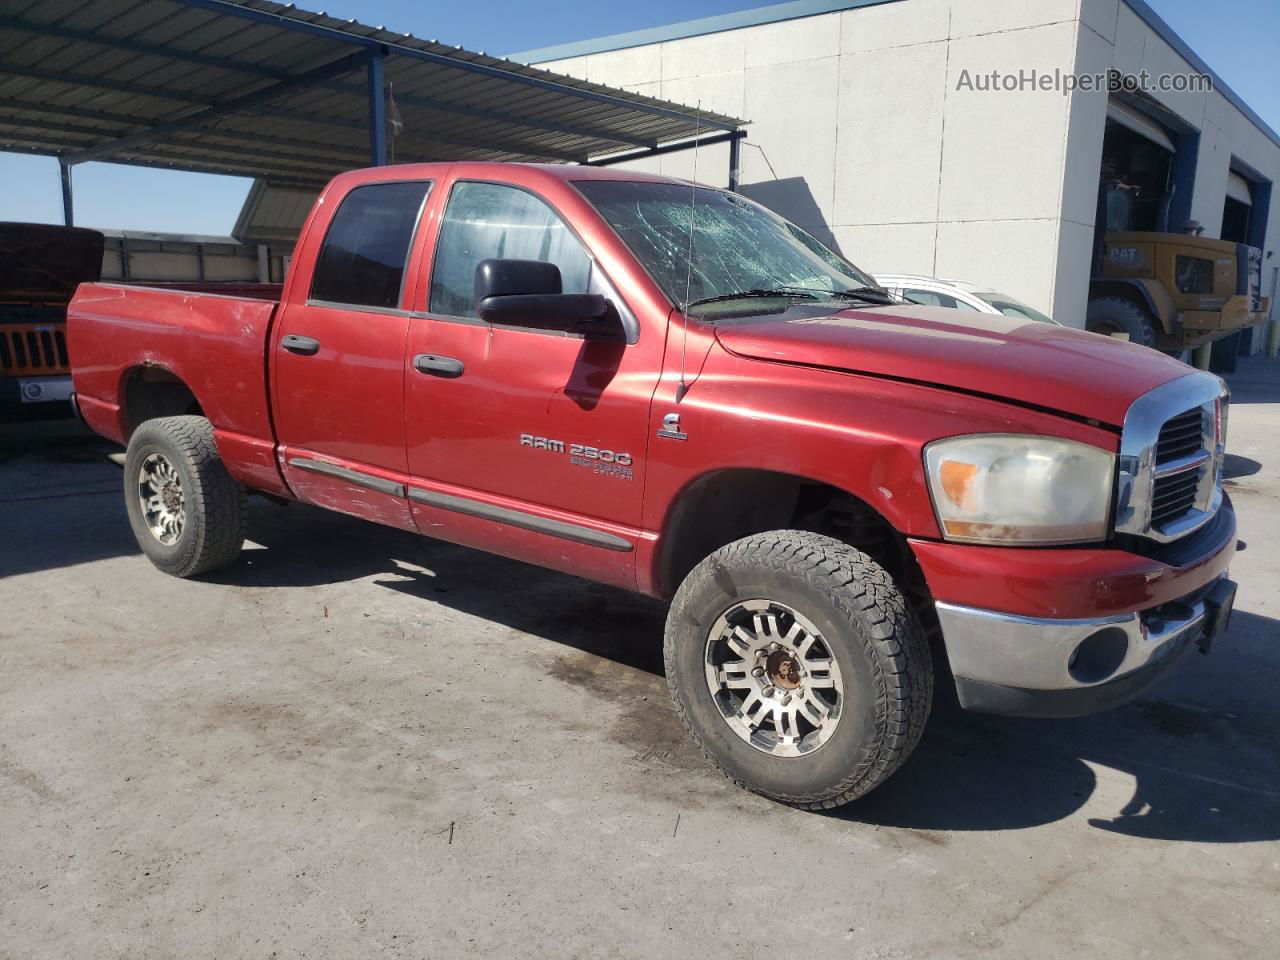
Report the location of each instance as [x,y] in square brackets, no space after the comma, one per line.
[670,389]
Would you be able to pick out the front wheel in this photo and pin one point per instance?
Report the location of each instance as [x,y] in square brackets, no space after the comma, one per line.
[187,512]
[798,667]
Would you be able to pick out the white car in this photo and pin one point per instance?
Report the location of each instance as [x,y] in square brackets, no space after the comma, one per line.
[958,294]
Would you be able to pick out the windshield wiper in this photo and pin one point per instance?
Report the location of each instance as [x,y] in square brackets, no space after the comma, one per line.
[796,292]
[869,294]
[873,294]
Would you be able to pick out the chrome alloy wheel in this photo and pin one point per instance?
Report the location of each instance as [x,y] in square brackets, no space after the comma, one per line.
[161,499]
[773,677]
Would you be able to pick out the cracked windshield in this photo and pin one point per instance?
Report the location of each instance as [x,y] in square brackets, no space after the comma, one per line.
[745,259]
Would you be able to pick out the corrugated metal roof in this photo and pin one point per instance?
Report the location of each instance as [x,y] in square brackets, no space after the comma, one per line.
[255,88]
[273,212]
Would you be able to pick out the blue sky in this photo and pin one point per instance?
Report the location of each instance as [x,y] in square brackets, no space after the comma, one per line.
[1237,38]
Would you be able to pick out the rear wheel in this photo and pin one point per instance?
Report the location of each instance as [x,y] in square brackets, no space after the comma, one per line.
[1108,315]
[798,667]
[187,512]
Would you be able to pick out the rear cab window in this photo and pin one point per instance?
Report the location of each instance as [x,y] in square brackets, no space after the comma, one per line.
[362,261]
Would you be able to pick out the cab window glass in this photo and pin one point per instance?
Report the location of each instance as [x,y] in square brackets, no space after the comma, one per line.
[364,254]
[488,220]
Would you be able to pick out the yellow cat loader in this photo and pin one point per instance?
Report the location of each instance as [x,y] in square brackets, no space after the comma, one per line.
[1175,291]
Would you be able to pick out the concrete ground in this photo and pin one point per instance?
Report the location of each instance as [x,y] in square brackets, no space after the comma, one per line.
[359,743]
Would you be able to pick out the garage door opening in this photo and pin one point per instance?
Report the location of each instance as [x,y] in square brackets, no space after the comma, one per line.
[1136,184]
[1237,213]
[1158,279]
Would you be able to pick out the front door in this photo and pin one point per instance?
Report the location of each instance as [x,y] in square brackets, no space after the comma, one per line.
[522,441]
[338,359]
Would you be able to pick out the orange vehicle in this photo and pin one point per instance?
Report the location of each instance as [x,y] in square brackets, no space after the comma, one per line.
[40,268]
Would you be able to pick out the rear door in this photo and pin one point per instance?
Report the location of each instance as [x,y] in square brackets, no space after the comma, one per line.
[526,442]
[338,358]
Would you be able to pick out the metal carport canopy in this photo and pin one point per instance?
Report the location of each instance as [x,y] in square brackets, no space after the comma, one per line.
[258,89]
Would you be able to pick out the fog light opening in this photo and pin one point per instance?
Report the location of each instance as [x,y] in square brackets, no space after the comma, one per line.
[1098,656]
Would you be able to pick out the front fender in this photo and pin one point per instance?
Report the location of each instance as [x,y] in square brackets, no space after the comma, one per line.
[860,434]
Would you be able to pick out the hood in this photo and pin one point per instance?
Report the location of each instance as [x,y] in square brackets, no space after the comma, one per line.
[1035,364]
[47,263]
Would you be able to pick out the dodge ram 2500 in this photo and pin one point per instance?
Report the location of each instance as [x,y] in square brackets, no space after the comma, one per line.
[670,389]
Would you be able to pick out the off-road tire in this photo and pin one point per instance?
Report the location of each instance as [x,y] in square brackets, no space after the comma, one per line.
[1107,314]
[871,631]
[215,508]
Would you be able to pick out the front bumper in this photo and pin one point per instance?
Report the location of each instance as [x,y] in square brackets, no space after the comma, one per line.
[1013,618]
[1025,666]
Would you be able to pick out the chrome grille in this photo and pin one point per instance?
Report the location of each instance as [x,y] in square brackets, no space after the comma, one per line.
[1169,480]
[1181,436]
[1182,459]
[1174,496]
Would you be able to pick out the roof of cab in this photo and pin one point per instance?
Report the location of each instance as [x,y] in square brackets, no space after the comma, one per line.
[497,171]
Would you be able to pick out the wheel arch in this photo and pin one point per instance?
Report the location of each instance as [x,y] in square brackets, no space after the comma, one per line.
[149,391]
[727,504]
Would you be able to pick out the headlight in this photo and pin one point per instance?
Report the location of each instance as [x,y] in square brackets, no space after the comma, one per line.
[1000,488]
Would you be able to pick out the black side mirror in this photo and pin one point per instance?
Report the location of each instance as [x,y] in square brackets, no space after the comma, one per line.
[527,293]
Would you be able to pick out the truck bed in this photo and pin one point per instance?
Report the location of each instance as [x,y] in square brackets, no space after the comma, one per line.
[215,343]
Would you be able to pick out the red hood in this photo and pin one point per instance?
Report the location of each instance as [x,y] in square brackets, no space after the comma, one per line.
[1038,364]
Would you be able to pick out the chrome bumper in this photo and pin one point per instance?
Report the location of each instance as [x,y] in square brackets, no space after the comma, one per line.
[1005,663]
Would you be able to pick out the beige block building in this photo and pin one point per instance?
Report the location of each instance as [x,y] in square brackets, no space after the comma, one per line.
[940,137]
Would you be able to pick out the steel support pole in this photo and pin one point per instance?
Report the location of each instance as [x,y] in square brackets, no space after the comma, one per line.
[68,209]
[377,109]
[735,159]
